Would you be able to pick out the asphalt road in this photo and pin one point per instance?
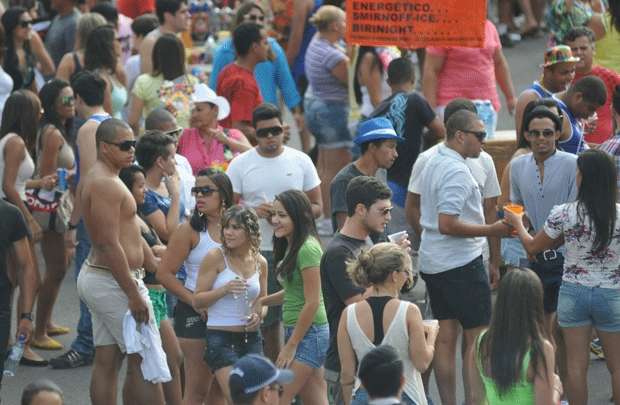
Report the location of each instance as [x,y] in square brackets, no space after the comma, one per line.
[523,60]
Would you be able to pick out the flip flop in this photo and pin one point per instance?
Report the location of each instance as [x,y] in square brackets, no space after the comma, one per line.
[47,344]
[58,330]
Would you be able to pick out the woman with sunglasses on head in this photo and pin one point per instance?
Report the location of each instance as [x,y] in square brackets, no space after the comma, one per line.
[383,319]
[297,252]
[231,280]
[206,143]
[187,247]
[24,49]
[53,153]
[589,295]
[134,178]
[271,75]
[18,133]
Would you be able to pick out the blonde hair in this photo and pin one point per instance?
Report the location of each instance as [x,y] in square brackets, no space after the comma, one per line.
[325,16]
[374,265]
[85,25]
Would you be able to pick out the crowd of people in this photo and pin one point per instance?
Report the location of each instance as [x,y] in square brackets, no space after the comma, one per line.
[225,267]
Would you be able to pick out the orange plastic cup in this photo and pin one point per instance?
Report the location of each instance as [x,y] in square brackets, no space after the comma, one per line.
[515,209]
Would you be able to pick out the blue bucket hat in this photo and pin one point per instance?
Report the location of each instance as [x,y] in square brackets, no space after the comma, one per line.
[375,129]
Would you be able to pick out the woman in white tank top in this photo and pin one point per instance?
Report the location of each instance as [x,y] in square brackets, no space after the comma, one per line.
[386,267]
[232,279]
[188,246]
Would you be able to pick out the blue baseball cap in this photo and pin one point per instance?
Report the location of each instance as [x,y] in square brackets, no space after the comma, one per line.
[375,129]
[252,373]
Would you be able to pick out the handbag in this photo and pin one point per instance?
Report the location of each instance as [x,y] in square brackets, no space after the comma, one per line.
[51,209]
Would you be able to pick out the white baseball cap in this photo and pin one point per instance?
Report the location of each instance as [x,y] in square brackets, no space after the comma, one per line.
[203,94]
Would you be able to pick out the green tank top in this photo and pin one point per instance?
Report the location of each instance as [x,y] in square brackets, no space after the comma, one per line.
[521,393]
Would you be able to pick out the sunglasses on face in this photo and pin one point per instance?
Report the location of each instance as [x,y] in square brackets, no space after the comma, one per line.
[255,18]
[206,190]
[25,24]
[481,135]
[67,100]
[174,132]
[547,133]
[124,146]
[264,132]
[385,211]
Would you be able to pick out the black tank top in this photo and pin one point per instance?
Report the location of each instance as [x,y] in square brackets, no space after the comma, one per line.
[151,239]
[377,306]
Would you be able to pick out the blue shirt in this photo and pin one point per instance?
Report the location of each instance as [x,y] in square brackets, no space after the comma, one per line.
[576,143]
[269,75]
[448,187]
[558,185]
[154,201]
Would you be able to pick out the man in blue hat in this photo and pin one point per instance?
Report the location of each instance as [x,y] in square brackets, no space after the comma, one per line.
[254,380]
[377,140]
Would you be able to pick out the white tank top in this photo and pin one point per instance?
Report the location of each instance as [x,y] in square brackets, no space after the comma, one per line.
[233,310]
[24,173]
[194,259]
[397,336]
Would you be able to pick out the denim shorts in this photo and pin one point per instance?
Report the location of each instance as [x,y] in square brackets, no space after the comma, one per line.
[312,350]
[360,397]
[329,123]
[225,348]
[582,306]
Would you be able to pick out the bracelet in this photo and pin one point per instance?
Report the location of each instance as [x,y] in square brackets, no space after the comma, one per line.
[70,226]
[26,315]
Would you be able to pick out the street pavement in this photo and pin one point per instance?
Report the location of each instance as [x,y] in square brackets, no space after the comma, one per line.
[523,61]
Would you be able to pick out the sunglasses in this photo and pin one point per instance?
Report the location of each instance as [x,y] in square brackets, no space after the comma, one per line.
[264,132]
[255,18]
[124,146]
[25,24]
[206,190]
[385,211]
[547,133]
[481,135]
[67,100]
[174,132]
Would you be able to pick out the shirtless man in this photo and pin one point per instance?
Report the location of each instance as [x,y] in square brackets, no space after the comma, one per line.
[111,278]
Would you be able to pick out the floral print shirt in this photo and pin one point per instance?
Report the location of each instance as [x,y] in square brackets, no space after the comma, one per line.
[582,265]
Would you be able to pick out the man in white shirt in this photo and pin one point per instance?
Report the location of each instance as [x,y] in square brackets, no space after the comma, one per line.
[450,256]
[257,176]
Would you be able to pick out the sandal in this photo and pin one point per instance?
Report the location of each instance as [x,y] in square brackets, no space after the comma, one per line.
[58,330]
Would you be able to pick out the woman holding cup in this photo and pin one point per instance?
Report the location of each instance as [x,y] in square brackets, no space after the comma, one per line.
[387,268]
[231,280]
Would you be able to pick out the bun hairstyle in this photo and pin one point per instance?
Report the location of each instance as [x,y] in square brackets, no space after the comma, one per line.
[374,265]
[325,16]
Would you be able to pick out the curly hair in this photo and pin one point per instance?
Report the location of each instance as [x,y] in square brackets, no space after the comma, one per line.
[248,220]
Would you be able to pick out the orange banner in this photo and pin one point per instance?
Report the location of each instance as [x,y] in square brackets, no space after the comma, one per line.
[413,24]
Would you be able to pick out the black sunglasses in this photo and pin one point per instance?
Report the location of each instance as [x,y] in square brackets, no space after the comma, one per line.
[124,146]
[255,17]
[481,135]
[206,190]
[547,133]
[264,132]
[25,24]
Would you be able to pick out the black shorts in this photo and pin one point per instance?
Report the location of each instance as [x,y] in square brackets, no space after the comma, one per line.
[188,323]
[462,293]
[549,267]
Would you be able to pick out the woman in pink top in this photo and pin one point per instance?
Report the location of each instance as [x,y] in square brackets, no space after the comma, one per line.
[207,144]
[471,73]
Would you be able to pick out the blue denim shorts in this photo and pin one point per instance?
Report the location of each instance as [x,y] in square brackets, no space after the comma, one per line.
[582,306]
[312,350]
[225,348]
[329,123]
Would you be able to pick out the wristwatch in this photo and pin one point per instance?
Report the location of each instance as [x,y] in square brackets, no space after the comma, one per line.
[26,315]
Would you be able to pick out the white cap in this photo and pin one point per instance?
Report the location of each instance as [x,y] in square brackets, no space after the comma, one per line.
[203,94]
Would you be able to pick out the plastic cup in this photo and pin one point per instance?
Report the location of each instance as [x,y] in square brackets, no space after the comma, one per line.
[430,322]
[398,236]
[514,208]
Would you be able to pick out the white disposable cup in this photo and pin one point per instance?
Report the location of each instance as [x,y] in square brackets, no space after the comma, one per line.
[431,322]
[398,236]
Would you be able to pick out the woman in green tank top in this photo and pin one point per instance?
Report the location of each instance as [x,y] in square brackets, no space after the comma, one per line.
[513,362]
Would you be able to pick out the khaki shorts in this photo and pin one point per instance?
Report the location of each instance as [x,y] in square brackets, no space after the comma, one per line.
[107,303]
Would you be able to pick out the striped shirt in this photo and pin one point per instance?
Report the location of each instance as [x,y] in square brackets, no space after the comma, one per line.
[612,146]
[321,57]
[270,75]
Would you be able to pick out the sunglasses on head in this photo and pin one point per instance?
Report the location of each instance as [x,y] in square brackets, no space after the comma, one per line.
[547,133]
[67,100]
[174,132]
[264,132]
[25,24]
[206,190]
[481,135]
[124,146]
